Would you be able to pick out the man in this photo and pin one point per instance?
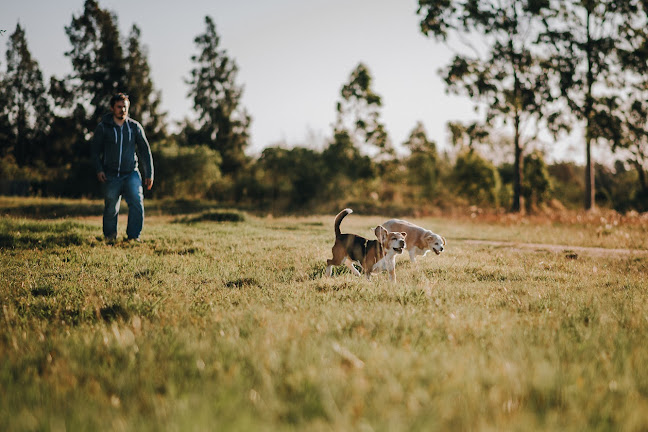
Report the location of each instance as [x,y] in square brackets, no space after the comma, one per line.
[114,145]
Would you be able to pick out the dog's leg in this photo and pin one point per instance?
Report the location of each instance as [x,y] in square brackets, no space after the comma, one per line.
[329,269]
[338,257]
[347,262]
[379,266]
[412,254]
[391,269]
[368,272]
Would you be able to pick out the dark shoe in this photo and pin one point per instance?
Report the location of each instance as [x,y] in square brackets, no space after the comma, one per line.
[110,239]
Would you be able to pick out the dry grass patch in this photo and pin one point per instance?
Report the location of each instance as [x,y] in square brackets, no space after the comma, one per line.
[231,325]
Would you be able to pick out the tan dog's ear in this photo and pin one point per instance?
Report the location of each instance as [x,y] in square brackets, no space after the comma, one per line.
[443,238]
[404,234]
[381,233]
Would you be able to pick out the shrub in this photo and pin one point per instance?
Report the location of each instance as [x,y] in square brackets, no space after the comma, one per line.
[476,179]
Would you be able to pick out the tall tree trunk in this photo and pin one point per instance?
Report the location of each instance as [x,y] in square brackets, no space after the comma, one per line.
[590,202]
[517,169]
[590,189]
[642,176]
[517,163]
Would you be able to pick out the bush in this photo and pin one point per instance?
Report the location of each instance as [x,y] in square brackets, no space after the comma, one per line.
[536,184]
[476,179]
[189,172]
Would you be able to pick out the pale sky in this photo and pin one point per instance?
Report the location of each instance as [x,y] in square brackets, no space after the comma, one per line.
[293,58]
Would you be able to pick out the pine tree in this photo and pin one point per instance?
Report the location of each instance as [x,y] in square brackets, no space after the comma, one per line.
[422,164]
[222,122]
[97,61]
[25,108]
[144,100]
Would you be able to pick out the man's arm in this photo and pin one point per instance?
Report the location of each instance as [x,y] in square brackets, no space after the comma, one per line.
[147,158]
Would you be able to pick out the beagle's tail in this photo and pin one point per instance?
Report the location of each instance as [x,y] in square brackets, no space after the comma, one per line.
[338,220]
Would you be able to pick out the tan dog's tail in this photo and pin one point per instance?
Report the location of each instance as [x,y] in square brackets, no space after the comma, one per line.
[338,220]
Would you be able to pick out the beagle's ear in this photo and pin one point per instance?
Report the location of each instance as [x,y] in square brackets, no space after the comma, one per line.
[381,233]
[404,234]
[444,241]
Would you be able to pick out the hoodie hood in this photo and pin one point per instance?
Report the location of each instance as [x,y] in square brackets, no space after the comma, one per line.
[110,120]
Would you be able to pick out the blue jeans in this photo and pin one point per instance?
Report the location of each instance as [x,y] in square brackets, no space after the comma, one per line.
[130,186]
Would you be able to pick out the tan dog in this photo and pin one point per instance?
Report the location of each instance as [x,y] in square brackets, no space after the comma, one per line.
[350,248]
[419,240]
[394,246]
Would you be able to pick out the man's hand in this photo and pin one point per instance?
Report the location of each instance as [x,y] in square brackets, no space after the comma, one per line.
[148,183]
[102,177]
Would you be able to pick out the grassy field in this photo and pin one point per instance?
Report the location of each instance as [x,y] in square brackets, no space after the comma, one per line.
[217,324]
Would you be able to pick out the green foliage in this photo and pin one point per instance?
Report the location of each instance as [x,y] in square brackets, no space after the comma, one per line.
[525,57]
[25,113]
[507,76]
[616,188]
[476,178]
[536,185]
[99,67]
[222,122]
[567,183]
[144,100]
[290,178]
[588,43]
[358,113]
[422,164]
[190,172]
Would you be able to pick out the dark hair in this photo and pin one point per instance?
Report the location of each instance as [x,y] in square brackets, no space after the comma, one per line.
[118,97]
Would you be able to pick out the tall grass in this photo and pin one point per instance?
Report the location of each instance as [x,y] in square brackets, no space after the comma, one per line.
[227,323]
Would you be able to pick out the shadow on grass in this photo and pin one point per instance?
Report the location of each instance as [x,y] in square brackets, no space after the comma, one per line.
[43,291]
[318,271]
[114,311]
[9,241]
[50,210]
[37,208]
[20,234]
[214,216]
[242,283]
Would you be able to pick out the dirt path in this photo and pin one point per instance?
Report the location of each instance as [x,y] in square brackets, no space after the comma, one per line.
[570,251]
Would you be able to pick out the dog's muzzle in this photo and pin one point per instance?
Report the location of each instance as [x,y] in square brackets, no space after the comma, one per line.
[399,248]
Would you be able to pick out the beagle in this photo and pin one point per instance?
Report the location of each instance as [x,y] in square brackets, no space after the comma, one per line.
[350,248]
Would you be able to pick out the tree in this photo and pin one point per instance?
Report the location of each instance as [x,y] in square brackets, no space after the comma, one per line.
[342,157]
[476,178]
[536,187]
[97,61]
[468,135]
[358,113]
[292,178]
[422,162]
[144,100]
[188,171]
[25,111]
[631,138]
[222,123]
[583,39]
[506,75]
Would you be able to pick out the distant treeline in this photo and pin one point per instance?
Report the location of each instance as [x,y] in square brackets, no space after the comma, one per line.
[539,70]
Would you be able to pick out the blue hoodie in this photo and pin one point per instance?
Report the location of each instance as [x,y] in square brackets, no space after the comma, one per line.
[114,148]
